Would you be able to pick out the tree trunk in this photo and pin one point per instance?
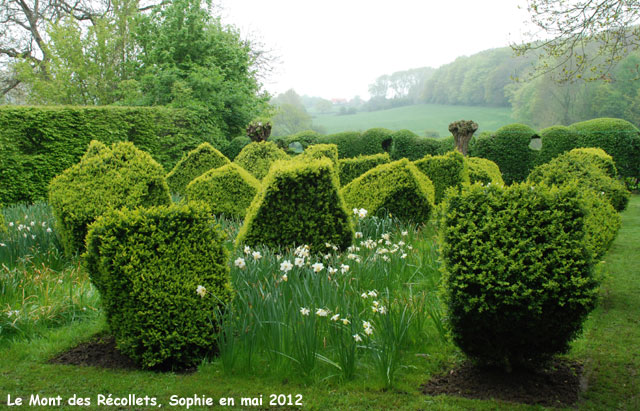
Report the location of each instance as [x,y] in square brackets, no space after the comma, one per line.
[462,132]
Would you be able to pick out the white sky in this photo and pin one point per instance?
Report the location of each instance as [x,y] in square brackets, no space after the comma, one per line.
[336,48]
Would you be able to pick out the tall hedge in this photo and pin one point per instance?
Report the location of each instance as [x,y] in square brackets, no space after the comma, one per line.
[162,274]
[257,158]
[445,171]
[407,144]
[37,143]
[235,146]
[351,168]
[199,160]
[106,178]
[555,141]
[348,143]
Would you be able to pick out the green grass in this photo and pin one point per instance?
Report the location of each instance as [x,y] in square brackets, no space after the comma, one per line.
[417,118]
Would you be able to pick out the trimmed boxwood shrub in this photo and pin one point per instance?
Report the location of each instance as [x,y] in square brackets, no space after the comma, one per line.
[227,190]
[305,138]
[235,146]
[483,171]
[407,144]
[567,167]
[518,276]
[398,188]
[597,157]
[348,143]
[619,138]
[556,140]
[147,265]
[602,222]
[317,151]
[509,148]
[202,159]
[445,171]
[3,227]
[299,203]
[350,168]
[375,141]
[447,144]
[257,158]
[106,178]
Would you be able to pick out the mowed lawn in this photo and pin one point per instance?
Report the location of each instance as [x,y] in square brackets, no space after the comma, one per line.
[417,118]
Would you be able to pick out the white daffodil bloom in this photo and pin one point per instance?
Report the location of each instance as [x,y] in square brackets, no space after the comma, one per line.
[335,317]
[286,266]
[357,337]
[321,312]
[240,263]
[317,267]
[304,311]
[201,291]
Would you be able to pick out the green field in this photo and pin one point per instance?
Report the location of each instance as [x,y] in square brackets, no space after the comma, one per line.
[417,118]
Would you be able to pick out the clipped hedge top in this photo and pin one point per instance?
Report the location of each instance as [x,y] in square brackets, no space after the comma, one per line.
[483,171]
[449,170]
[317,151]
[597,157]
[197,161]
[257,158]
[351,168]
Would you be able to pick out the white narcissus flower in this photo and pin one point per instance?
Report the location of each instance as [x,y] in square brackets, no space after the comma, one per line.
[404,233]
[373,293]
[357,337]
[239,262]
[403,256]
[286,266]
[385,236]
[299,261]
[344,268]
[335,317]
[247,250]
[366,324]
[321,312]
[368,331]
[332,270]
[49,229]
[382,309]
[364,295]
[11,224]
[256,255]
[345,321]
[317,267]
[358,234]
[284,277]
[201,291]
[362,213]
[304,311]
[355,211]
[385,258]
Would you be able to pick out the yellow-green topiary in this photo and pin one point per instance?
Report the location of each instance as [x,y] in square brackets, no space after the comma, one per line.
[200,160]
[597,157]
[227,190]
[257,158]
[351,168]
[397,188]
[483,171]
[449,170]
[316,151]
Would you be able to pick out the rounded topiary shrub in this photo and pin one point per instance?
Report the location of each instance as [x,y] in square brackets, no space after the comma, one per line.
[348,143]
[106,178]
[351,168]
[445,171]
[204,158]
[304,138]
[298,204]
[257,158]
[518,278]
[397,188]
[162,274]
[227,190]
[619,138]
[407,144]
[317,151]
[235,146]
[483,171]
[556,140]
[375,141]
[601,224]
[596,156]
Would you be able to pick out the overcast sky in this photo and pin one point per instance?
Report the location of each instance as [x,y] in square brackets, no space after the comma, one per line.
[336,48]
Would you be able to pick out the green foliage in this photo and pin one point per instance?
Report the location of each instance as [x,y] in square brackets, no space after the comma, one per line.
[352,143]
[305,138]
[119,176]
[397,188]
[555,141]
[257,158]
[200,160]
[147,265]
[407,144]
[569,166]
[444,172]
[518,276]
[351,168]
[3,227]
[619,138]
[376,140]
[38,143]
[509,148]
[317,151]
[483,171]
[299,204]
[235,146]
[227,190]
[347,142]
[602,222]
[597,157]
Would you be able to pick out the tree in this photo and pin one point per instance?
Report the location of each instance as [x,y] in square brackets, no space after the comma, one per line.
[290,119]
[587,37]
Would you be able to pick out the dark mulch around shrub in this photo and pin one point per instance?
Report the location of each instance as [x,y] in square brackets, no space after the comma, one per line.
[557,385]
[100,351]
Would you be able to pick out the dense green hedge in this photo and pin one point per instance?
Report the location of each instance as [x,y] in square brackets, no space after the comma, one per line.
[148,265]
[555,141]
[299,204]
[407,144]
[235,146]
[397,188]
[348,143]
[106,178]
[518,274]
[351,168]
[199,160]
[257,158]
[318,151]
[483,171]
[445,171]
[596,156]
[227,190]
[37,143]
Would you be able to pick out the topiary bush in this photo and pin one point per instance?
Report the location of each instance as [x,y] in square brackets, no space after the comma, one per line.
[299,203]
[350,168]
[198,161]
[407,144]
[619,138]
[106,178]
[483,171]
[3,227]
[597,157]
[235,146]
[445,171]
[348,143]
[398,188]
[375,141]
[227,190]
[556,140]
[567,167]
[518,277]
[602,222]
[305,138]
[317,151]
[149,265]
[257,158]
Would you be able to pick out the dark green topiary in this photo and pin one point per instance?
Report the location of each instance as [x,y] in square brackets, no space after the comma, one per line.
[235,146]
[106,179]
[556,140]
[305,138]
[351,168]
[407,144]
[348,143]
[483,171]
[299,203]
[375,141]
[147,265]
[518,276]
[597,157]
[317,151]
[567,167]
[198,161]
[398,188]
[444,172]
[257,158]
[227,190]
[447,144]
[617,137]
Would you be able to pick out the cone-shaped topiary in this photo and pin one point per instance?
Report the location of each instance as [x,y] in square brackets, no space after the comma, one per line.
[449,170]
[398,188]
[106,178]
[200,160]
[299,203]
[351,168]
[162,274]
[227,190]
[257,158]
[483,171]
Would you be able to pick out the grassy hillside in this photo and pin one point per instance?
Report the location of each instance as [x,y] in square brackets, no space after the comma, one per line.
[417,118]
